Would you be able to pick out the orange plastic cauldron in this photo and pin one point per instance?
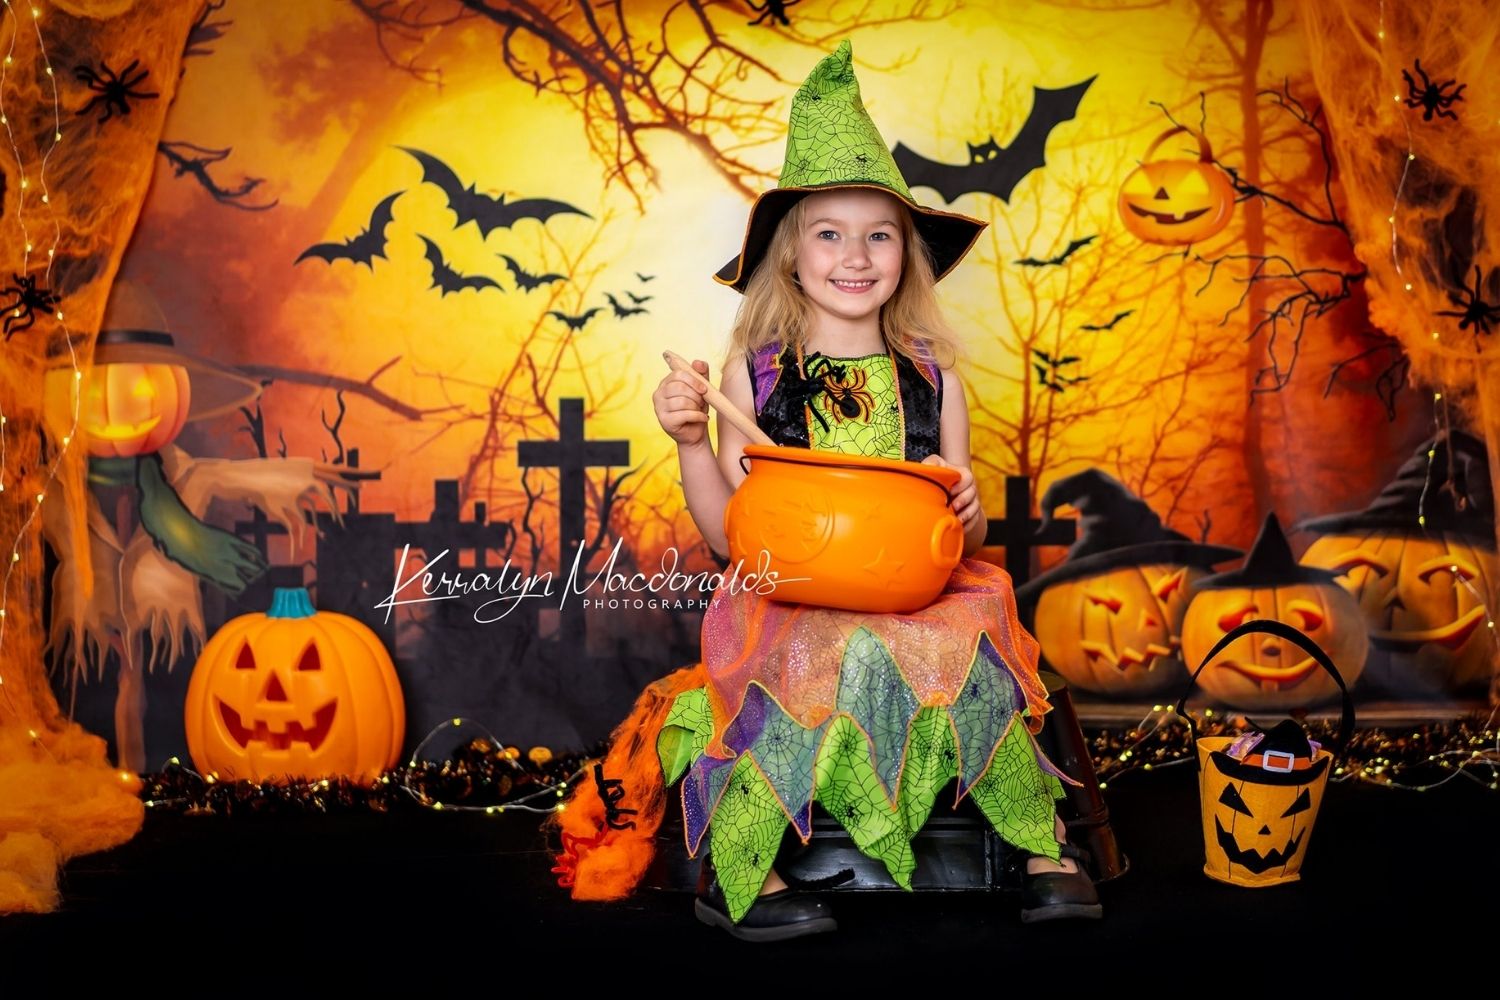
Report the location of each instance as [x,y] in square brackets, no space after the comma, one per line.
[845,531]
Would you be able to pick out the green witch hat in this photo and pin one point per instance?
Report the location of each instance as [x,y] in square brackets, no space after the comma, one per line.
[832,143]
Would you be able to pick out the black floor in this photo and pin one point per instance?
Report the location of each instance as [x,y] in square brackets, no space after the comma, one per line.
[1392,879]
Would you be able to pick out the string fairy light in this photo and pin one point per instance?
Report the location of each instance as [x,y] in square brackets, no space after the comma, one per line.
[13,18]
[1460,749]
[415,781]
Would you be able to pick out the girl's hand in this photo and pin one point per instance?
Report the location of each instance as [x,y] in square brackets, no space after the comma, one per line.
[964,497]
[681,408]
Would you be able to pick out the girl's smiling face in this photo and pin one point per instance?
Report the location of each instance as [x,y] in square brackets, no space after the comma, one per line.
[850,253]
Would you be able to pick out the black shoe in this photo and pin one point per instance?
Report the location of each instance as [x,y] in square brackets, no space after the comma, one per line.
[775,916]
[1059,895]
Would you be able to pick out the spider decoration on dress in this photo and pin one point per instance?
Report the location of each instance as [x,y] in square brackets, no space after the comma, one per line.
[24,299]
[1431,97]
[113,90]
[1473,306]
[849,399]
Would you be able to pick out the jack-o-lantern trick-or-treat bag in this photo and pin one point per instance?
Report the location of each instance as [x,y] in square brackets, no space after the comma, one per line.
[1260,792]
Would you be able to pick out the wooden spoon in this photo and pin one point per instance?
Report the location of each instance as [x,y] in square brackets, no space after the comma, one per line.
[720,402]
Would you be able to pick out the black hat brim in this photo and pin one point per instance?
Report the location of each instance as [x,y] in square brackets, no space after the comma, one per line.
[948,235]
[1180,553]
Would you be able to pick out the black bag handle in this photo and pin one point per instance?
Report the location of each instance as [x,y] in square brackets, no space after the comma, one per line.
[1284,631]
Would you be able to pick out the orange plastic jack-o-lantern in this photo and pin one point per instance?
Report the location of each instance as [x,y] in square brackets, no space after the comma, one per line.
[124,408]
[294,693]
[1258,672]
[1177,201]
[1118,633]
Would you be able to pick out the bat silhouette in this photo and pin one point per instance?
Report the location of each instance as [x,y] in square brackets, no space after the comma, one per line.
[645,277]
[991,169]
[622,311]
[525,280]
[1107,326]
[575,322]
[362,249]
[1073,247]
[1048,373]
[485,211]
[640,299]
[449,280]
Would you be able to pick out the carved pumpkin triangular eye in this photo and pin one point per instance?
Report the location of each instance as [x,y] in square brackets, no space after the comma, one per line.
[1231,798]
[1303,803]
[310,659]
[246,659]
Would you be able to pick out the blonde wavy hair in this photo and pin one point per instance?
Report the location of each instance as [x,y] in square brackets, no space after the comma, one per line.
[774,308]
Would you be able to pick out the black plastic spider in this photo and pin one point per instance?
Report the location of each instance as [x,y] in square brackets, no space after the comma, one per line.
[1474,309]
[113,90]
[21,313]
[1431,97]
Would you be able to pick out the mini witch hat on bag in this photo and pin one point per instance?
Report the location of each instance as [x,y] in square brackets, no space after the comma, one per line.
[1260,791]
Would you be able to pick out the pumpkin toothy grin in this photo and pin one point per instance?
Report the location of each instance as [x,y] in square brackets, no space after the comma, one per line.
[295,732]
[1167,218]
[1452,635]
[1128,657]
[1253,860]
[1273,678]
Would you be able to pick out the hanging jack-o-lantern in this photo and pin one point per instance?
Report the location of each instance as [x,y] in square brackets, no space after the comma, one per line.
[1109,617]
[294,693]
[1177,201]
[1423,570]
[1261,672]
[138,394]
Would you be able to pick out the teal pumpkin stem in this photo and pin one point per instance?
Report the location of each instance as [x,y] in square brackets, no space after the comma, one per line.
[291,602]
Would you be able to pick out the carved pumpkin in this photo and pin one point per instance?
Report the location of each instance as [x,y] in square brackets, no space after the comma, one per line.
[1118,633]
[1258,813]
[1259,672]
[294,693]
[1176,201]
[1428,628]
[1109,617]
[124,408]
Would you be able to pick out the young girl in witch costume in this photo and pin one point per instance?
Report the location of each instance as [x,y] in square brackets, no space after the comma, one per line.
[839,345]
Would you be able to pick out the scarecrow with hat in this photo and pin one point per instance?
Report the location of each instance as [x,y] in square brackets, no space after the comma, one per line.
[135,590]
[839,346]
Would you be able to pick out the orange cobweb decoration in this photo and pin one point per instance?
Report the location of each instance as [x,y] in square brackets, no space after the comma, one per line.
[1414,108]
[72,189]
[604,860]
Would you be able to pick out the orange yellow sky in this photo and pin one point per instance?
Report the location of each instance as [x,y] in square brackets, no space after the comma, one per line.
[307,101]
